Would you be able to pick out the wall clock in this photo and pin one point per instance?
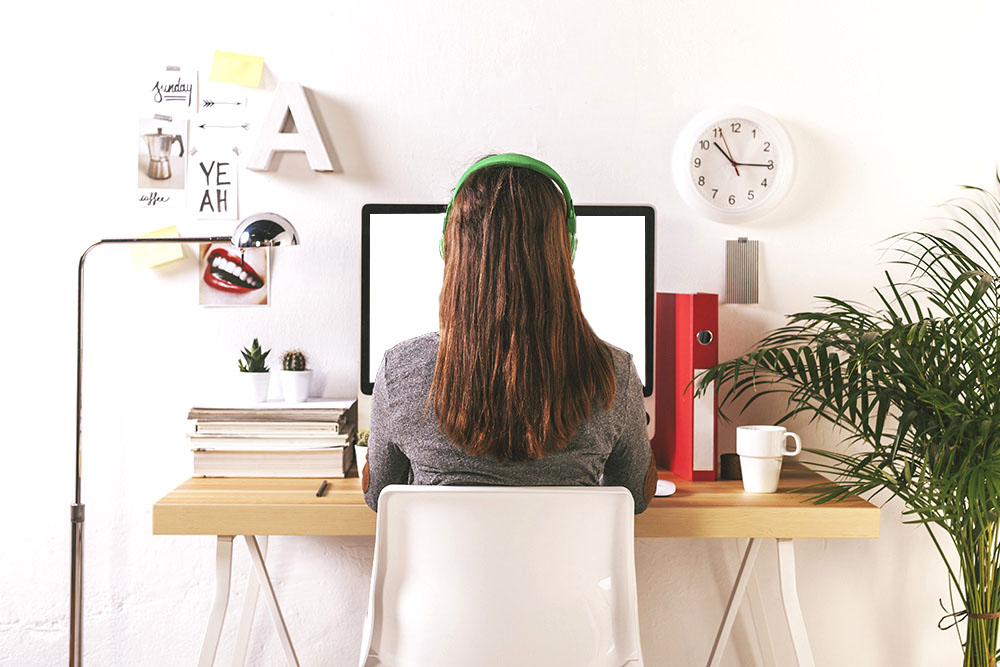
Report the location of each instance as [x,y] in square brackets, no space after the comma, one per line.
[733,163]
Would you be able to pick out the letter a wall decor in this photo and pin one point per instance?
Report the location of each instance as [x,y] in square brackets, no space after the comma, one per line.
[290,101]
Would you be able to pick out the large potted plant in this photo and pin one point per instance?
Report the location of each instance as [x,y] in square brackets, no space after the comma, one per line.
[915,385]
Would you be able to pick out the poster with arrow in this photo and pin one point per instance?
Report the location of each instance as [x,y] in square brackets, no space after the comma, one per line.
[221,104]
[222,117]
[215,126]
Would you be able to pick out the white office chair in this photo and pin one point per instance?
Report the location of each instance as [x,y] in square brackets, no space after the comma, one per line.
[500,576]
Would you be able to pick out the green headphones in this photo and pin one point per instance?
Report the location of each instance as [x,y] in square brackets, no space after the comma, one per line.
[518,160]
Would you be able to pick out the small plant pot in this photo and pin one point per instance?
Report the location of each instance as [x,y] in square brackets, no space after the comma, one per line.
[254,386]
[295,385]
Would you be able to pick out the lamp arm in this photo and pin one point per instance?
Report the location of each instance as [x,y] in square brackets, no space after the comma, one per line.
[79,321]
[77,508]
[259,230]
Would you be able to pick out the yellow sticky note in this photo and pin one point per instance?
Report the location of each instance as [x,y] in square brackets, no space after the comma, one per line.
[237,68]
[148,255]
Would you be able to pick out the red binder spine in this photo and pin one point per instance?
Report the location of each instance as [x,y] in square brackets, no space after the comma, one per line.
[704,343]
[664,380]
[686,439]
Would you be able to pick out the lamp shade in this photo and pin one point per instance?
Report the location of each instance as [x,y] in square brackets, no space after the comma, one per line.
[264,229]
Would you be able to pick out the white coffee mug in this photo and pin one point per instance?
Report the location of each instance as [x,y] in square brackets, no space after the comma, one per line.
[761,450]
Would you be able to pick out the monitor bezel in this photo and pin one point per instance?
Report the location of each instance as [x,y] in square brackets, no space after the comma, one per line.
[368,210]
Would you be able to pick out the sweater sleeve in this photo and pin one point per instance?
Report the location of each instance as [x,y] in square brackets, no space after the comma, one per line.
[629,459]
[387,464]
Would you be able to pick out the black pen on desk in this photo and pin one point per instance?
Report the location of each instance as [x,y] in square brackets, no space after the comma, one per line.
[322,489]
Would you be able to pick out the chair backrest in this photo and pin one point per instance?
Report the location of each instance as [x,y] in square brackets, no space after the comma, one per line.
[498,576]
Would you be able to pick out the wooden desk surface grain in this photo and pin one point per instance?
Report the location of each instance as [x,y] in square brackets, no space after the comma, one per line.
[273,506]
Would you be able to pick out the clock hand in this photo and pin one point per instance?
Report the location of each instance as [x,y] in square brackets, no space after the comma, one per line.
[729,151]
[751,164]
[722,150]
[726,155]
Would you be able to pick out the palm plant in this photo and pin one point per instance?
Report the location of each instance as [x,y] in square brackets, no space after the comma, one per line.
[914,383]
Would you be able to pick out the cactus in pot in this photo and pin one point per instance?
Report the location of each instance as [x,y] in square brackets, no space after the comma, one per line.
[293,360]
[295,377]
[254,373]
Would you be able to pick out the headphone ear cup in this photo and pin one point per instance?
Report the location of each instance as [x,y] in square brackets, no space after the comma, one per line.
[441,246]
[572,248]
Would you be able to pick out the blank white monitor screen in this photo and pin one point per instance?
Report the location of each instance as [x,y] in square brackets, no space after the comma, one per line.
[402,272]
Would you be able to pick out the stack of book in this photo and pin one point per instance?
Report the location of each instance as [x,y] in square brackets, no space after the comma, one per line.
[311,439]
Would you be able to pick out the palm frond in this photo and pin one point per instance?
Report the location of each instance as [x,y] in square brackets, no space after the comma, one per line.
[916,381]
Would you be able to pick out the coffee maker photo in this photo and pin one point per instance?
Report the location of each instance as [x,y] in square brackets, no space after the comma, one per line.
[159,145]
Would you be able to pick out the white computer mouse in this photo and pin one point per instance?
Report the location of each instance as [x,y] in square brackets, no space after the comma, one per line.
[664,487]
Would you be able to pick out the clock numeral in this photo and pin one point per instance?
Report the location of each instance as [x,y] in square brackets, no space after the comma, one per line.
[697,162]
[736,127]
[732,199]
[753,133]
[715,191]
[750,195]
[770,164]
[767,146]
[701,181]
[764,182]
[716,132]
[705,144]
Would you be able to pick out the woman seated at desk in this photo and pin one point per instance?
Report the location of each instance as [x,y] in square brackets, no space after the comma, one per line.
[515,389]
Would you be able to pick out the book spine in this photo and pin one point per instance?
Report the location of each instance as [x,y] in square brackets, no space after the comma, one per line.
[252,464]
[268,428]
[210,432]
[265,416]
[228,443]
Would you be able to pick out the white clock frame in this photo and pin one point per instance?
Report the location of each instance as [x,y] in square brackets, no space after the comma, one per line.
[708,118]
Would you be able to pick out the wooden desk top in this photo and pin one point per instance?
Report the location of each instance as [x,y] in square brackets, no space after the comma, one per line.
[273,506]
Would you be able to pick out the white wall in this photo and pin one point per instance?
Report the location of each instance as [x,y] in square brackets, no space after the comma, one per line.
[889,104]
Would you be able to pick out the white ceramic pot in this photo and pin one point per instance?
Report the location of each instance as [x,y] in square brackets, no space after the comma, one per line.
[295,385]
[254,386]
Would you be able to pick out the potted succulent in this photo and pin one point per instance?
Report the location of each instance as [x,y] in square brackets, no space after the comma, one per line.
[915,385]
[295,377]
[254,373]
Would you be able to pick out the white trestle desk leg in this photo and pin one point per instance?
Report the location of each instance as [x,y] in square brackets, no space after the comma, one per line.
[223,570]
[735,598]
[249,608]
[272,602]
[790,598]
[761,626]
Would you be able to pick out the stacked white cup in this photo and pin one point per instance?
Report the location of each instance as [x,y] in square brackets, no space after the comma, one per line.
[761,450]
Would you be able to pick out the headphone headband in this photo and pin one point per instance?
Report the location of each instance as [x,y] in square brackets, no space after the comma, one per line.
[519,160]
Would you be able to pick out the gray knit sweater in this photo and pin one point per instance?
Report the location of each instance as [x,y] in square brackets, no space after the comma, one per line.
[406,445]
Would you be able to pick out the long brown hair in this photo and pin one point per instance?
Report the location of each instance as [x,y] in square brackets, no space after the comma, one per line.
[518,367]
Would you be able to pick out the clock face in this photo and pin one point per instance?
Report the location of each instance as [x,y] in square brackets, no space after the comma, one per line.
[733,163]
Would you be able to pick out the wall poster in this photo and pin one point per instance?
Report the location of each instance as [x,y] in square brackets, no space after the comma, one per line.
[172,90]
[228,277]
[162,165]
[214,183]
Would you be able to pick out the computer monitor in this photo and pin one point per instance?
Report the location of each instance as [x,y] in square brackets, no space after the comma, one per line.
[402,271]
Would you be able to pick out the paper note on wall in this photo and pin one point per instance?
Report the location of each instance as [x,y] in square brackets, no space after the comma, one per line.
[162,162]
[170,90]
[215,183]
[237,68]
[148,255]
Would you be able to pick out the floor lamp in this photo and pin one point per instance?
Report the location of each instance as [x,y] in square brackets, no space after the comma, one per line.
[262,230]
